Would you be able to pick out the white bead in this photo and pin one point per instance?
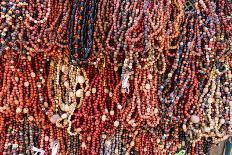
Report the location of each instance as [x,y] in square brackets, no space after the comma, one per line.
[83,145]
[16,79]
[119,106]
[207,129]
[210,100]
[149,76]
[116,123]
[103,117]
[79,93]
[132,143]
[87,93]
[222,121]
[205,90]
[106,90]
[32,74]
[25,110]
[88,138]
[30,118]
[80,79]
[94,90]
[116,151]
[46,138]
[26,84]
[18,110]
[66,107]
[66,84]
[78,129]
[230,103]
[111,113]
[195,119]
[147,86]
[104,136]
[184,127]
[156,110]
[54,118]
[29,58]
[226,89]
[148,110]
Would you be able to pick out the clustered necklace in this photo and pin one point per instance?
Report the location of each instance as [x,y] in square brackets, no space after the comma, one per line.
[115,76]
[81,25]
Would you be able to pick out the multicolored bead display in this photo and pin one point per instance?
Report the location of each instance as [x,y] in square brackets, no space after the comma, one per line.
[115,77]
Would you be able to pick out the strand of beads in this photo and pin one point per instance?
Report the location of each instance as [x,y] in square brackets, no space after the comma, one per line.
[67,85]
[12,16]
[23,85]
[81,24]
[46,29]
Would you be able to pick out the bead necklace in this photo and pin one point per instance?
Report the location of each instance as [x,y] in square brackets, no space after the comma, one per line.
[12,15]
[67,85]
[23,85]
[81,27]
[48,29]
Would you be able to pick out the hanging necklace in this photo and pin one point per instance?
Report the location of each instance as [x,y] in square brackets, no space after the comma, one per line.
[81,29]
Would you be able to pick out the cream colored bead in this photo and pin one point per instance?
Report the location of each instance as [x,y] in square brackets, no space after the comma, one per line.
[88,138]
[119,106]
[18,110]
[32,74]
[25,110]
[80,79]
[83,145]
[45,104]
[103,117]
[210,100]
[116,123]
[66,84]
[147,86]
[149,76]
[156,110]
[26,84]
[87,93]
[195,119]
[112,113]
[16,79]
[46,138]
[132,143]
[106,90]
[30,118]
[79,93]
[94,90]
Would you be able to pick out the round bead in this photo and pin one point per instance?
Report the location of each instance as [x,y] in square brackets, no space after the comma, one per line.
[79,93]
[195,119]
[26,84]
[210,100]
[80,79]
[18,110]
[147,86]
[94,90]
[32,74]
[112,113]
[103,117]
[87,93]
[54,118]
[116,123]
